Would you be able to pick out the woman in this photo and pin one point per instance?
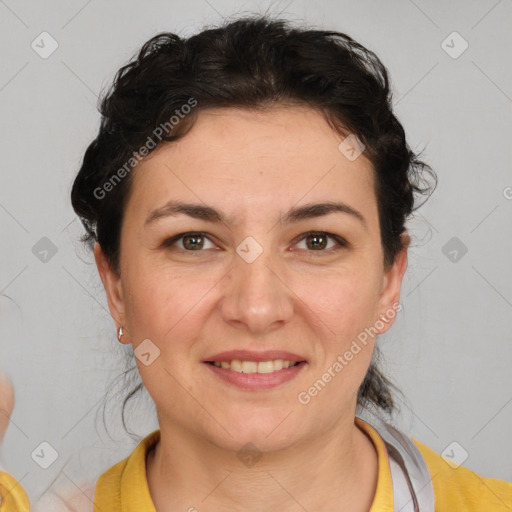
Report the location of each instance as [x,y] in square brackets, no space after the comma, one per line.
[246,198]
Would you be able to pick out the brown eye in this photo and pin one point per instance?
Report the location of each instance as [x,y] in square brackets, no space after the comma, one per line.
[193,242]
[321,242]
[190,242]
[316,241]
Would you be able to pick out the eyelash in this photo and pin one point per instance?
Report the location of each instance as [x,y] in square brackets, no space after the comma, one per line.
[341,243]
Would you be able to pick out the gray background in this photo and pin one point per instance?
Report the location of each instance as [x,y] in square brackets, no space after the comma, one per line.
[450,350]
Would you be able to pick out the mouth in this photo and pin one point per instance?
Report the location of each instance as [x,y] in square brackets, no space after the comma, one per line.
[240,366]
[256,371]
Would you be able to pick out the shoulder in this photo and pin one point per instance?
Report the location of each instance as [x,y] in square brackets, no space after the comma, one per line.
[134,462]
[126,480]
[459,488]
[108,486]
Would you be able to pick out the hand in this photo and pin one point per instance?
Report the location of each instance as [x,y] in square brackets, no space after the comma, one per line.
[63,502]
[6,404]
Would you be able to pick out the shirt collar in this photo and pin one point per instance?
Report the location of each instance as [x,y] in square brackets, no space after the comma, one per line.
[383,499]
[135,496]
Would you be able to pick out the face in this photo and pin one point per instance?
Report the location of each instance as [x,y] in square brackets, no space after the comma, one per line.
[263,273]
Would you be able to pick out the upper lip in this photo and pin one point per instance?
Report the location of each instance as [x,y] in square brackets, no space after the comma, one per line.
[248,355]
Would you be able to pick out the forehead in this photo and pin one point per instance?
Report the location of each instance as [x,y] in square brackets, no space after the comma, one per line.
[256,161]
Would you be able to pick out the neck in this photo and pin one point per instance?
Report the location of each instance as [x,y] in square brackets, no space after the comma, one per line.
[337,471]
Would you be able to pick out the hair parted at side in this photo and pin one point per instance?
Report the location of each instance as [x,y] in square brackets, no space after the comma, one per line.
[253,62]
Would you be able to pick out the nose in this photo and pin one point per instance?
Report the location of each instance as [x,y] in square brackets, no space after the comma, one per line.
[256,297]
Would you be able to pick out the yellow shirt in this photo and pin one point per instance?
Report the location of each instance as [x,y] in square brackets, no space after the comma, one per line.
[124,486]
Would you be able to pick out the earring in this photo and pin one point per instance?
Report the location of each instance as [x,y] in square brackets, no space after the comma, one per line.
[120,333]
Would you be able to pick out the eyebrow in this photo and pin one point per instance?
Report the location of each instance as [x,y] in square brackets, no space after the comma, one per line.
[296,214]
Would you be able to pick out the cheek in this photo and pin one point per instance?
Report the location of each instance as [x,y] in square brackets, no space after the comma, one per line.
[168,309]
[345,301]
[345,341]
[162,302]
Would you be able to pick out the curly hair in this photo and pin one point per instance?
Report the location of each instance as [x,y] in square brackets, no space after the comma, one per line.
[253,62]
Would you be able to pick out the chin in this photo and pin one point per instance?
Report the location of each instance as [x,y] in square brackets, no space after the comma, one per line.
[268,432]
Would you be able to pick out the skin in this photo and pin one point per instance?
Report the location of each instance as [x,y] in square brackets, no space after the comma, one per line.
[254,167]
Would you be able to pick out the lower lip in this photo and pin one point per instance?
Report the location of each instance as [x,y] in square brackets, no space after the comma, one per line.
[257,381]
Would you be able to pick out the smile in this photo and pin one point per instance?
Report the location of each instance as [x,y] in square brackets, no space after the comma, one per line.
[255,376]
[254,366]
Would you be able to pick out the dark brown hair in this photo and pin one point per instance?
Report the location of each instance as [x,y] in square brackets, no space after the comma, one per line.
[252,63]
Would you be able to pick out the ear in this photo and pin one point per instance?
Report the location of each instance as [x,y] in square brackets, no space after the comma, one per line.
[391,284]
[113,287]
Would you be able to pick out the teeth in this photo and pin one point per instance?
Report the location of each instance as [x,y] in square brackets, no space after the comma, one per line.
[249,366]
[265,366]
[254,366]
[236,365]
